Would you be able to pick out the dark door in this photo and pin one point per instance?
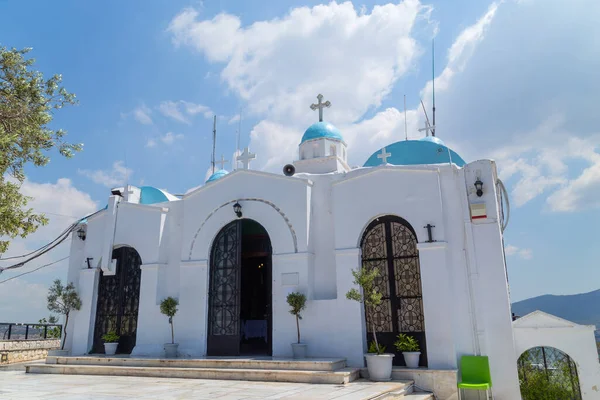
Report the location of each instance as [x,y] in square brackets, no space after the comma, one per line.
[390,246]
[118,301]
[239,303]
[224,292]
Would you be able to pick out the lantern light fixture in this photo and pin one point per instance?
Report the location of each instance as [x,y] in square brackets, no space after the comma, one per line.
[237,208]
[479,187]
[81,233]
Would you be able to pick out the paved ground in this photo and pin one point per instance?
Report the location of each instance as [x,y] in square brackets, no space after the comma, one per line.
[15,384]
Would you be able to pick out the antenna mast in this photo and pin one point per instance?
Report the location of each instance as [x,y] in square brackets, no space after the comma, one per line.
[433,81]
[212,159]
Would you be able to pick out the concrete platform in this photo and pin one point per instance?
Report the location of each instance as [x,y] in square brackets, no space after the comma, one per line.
[265,369]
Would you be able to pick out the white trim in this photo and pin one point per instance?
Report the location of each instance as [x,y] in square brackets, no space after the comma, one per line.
[441,245]
[146,207]
[154,265]
[194,263]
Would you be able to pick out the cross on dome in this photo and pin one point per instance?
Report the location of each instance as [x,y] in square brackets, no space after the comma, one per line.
[384,156]
[222,162]
[246,157]
[320,105]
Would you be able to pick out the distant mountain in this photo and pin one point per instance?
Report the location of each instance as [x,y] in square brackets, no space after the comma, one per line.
[583,308]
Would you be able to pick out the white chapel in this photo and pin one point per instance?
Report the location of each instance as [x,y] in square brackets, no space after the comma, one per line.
[233,249]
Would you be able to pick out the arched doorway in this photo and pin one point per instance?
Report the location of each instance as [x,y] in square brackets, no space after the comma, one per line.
[389,245]
[239,302]
[119,300]
[546,373]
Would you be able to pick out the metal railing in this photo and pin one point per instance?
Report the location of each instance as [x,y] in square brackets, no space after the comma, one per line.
[24,331]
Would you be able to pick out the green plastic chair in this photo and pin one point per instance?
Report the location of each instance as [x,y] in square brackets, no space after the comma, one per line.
[475,372]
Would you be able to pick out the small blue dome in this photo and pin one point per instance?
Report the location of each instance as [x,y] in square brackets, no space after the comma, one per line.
[217,175]
[322,130]
[152,195]
[416,152]
[432,139]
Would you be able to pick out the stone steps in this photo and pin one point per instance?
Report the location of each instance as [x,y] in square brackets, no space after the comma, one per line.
[340,376]
[264,363]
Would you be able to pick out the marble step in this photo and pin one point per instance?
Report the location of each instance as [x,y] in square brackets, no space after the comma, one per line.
[341,376]
[308,364]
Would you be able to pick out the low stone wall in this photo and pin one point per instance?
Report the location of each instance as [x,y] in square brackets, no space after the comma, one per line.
[14,351]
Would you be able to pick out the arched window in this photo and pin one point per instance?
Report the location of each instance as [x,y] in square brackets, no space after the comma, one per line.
[389,245]
[548,373]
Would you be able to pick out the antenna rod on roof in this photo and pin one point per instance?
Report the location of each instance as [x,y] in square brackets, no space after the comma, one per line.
[433,81]
[212,160]
[405,130]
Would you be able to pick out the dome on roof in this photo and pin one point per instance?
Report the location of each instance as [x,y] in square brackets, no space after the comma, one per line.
[217,175]
[432,139]
[152,195]
[416,152]
[322,130]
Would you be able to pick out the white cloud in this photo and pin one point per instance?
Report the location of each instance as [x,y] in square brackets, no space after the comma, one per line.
[109,178]
[181,110]
[271,64]
[63,204]
[141,114]
[525,254]
[168,139]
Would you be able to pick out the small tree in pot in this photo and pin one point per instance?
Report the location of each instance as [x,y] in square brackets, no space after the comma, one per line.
[297,303]
[379,364]
[111,341]
[169,308]
[409,347]
[62,300]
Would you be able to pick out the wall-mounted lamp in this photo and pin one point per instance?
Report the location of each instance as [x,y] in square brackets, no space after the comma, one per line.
[479,187]
[81,233]
[237,208]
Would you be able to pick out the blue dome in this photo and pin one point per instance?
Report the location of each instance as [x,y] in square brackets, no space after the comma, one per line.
[432,139]
[416,152]
[152,195]
[322,130]
[217,175]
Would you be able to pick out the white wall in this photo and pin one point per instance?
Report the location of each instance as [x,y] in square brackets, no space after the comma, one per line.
[539,329]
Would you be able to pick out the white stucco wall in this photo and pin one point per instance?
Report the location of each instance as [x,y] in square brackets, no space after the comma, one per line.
[315,223]
[540,329]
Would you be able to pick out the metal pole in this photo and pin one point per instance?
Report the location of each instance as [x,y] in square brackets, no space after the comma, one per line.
[45,331]
[26,331]
[9,330]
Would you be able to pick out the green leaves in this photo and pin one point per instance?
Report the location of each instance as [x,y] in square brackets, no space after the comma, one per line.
[110,337]
[365,278]
[27,105]
[168,307]
[63,299]
[297,303]
[406,343]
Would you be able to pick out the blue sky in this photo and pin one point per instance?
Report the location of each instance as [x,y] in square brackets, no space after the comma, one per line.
[515,81]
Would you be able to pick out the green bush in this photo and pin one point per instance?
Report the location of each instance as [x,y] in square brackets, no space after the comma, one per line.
[376,348]
[110,337]
[406,343]
[297,302]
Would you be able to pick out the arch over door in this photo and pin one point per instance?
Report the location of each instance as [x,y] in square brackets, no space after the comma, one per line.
[389,245]
[118,301]
[549,374]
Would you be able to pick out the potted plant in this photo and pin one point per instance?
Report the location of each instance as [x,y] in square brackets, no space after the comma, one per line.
[62,300]
[169,308]
[111,341]
[409,347]
[379,363]
[297,303]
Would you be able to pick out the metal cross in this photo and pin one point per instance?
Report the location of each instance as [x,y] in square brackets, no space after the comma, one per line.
[427,129]
[429,234]
[222,162]
[320,105]
[246,157]
[384,156]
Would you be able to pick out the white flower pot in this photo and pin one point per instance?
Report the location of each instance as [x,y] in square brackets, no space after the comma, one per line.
[411,358]
[171,350]
[110,348]
[379,366]
[299,350]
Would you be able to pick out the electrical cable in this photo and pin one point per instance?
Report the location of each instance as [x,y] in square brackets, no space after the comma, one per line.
[33,270]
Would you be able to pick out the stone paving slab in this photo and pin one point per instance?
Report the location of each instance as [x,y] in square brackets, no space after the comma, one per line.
[18,385]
